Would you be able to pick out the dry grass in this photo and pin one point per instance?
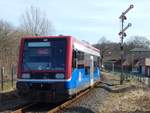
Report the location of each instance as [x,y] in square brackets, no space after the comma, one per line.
[129,101]
[114,79]
[137,100]
[7,86]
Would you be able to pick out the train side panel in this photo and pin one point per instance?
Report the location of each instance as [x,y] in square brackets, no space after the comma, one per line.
[80,80]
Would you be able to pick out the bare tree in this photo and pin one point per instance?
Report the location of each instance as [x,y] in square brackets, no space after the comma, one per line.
[136,42]
[9,42]
[139,41]
[6,43]
[5,30]
[103,46]
[35,22]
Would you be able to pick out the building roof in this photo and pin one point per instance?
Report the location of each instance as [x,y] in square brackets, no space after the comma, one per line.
[140,50]
[127,63]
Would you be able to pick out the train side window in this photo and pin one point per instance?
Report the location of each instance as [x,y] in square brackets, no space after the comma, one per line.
[80,57]
[98,61]
[74,59]
[87,63]
[95,62]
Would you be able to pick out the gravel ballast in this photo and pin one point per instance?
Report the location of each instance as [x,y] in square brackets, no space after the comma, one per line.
[89,103]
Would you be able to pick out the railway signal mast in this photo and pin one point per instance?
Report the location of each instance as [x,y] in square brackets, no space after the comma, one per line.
[122,34]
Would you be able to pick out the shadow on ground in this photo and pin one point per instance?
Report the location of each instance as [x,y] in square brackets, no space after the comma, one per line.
[111,89]
[131,111]
[78,110]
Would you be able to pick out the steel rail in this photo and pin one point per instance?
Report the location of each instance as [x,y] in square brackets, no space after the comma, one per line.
[23,109]
[73,100]
[63,105]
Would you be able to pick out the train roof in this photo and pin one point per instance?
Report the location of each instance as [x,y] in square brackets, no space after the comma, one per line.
[79,45]
[31,37]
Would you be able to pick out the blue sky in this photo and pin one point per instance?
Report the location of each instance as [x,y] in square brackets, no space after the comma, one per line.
[85,19]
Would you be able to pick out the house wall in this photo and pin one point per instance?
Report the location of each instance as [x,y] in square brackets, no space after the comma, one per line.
[147,61]
[147,71]
[147,65]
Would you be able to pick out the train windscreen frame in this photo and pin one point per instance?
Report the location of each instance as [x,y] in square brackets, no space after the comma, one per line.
[44,54]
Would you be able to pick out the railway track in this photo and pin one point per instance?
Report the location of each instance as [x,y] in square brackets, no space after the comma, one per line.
[59,107]
[68,103]
[23,109]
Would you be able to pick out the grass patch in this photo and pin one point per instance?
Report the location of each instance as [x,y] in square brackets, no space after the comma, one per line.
[7,85]
[134,100]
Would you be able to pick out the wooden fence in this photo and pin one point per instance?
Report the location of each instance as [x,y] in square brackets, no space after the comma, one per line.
[8,78]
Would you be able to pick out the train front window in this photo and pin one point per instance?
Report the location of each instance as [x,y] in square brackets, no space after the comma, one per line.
[48,55]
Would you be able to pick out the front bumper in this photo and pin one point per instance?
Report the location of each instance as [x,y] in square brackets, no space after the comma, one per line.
[51,92]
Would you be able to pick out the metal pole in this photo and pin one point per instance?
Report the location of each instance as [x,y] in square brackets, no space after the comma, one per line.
[122,33]
[113,69]
[2,73]
[121,48]
[12,75]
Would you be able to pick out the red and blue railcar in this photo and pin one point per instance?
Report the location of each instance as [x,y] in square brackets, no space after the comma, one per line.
[53,68]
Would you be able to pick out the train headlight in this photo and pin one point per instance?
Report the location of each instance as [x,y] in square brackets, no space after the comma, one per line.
[26,75]
[60,76]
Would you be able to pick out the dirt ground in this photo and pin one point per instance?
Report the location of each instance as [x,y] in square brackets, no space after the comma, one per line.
[135,100]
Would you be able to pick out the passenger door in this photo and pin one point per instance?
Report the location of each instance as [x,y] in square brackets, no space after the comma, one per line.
[91,70]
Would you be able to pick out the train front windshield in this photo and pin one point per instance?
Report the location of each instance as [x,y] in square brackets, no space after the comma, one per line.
[44,55]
